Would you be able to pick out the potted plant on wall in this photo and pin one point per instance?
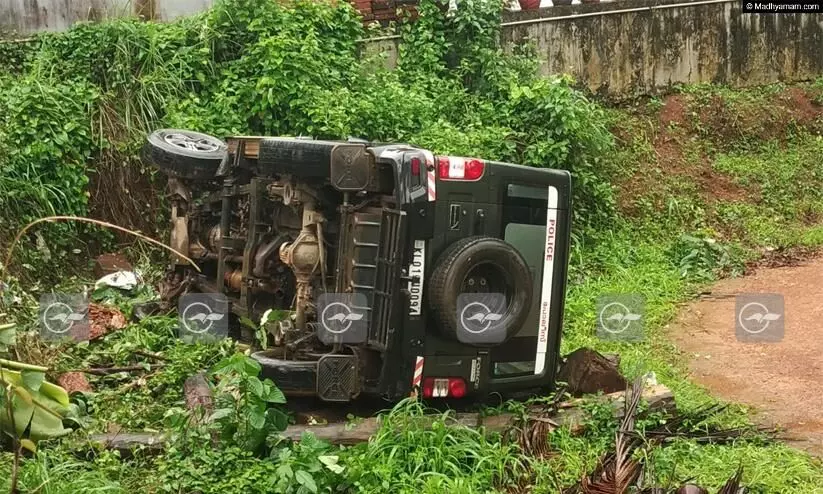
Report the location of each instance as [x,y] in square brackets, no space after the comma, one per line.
[529,4]
[561,2]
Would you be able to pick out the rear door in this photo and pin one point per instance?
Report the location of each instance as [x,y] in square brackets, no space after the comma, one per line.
[528,208]
[535,219]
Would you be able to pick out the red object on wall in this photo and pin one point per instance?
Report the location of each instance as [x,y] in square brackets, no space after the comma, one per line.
[385,11]
[529,4]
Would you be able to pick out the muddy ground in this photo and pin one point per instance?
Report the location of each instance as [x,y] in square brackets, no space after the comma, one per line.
[782,381]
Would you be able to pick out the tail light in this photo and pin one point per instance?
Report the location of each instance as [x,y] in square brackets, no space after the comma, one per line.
[415,166]
[444,387]
[456,168]
[457,387]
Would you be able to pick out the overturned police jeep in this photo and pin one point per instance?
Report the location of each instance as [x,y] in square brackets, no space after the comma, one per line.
[390,270]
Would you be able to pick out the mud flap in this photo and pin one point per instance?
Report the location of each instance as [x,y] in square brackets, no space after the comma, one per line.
[337,378]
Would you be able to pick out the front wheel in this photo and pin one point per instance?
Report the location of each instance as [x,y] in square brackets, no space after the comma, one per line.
[185,154]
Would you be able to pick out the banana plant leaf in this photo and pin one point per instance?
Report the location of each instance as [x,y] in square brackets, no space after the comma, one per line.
[37,405]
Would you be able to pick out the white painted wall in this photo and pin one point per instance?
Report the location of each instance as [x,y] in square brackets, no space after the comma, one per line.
[29,16]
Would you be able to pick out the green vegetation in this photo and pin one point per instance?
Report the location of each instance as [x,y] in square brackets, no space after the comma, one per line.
[669,194]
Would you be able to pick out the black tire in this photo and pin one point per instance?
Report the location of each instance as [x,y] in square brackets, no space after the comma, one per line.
[305,158]
[293,377]
[185,154]
[489,259]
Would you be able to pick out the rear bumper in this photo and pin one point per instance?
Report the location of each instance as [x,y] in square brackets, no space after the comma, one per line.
[335,378]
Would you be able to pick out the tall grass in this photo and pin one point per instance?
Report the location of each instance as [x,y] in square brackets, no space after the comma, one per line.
[50,473]
[409,455]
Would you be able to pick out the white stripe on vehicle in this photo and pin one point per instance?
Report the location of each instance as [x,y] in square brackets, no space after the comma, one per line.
[431,178]
[418,372]
[546,293]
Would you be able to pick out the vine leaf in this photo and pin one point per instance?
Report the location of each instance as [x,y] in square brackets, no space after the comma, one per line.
[8,335]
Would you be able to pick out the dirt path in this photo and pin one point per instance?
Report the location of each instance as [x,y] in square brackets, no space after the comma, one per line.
[783,381]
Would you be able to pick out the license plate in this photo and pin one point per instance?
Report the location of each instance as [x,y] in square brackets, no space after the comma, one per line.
[416,270]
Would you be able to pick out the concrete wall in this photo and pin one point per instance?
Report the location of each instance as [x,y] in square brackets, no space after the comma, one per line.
[630,47]
[615,50]
[28,16]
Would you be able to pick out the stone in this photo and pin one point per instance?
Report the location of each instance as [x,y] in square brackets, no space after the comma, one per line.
[586,371]
[110,263]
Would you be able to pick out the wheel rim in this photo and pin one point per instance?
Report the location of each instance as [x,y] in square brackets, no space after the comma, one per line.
[487,278]
[189,143]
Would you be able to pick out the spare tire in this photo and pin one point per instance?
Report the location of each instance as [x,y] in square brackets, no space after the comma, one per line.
[185,154]
[471,271]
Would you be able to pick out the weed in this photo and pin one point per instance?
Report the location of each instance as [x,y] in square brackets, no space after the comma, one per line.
[770,468]
[246,407]
[59,473]
[704,259]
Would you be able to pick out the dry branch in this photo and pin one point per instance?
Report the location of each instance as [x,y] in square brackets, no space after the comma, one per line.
[83,219]
[150,355]
[105,371]
[570,415]
[126,443]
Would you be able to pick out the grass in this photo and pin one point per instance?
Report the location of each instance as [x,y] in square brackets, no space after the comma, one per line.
[676,232]
[769,468]
[60,473]
[404,457]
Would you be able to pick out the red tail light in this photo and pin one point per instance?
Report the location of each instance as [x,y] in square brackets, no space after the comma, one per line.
[415,166]
[456,168]
[428,387]
[457,387]
[444,387]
